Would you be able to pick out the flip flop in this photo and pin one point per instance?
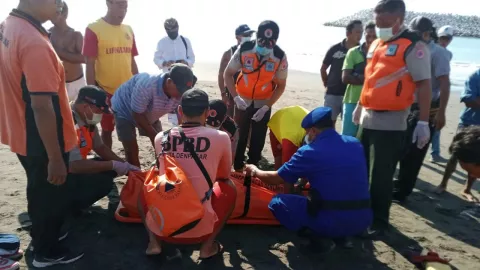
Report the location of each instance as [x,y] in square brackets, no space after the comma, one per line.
[220,252]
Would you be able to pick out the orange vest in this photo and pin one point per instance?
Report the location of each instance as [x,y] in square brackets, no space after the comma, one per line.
[256,80]
[85,140]
[388,85]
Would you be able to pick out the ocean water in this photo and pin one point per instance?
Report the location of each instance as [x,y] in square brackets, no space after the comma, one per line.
[210,24]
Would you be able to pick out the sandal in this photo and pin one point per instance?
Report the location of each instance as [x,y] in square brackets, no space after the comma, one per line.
[220,252]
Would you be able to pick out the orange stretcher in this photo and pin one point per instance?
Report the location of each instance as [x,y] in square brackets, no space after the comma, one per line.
[251,207]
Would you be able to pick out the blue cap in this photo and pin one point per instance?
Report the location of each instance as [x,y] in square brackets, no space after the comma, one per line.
[243,29]
[315,116]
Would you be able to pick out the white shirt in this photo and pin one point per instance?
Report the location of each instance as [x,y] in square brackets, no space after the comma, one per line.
[173,50]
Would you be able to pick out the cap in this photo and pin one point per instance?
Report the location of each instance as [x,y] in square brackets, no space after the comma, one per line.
[318,114]
[94,96]
[194,98]
[446,31]
[421,24]
[217,113]
[243,29]
[170,24]
[268,30]
[182,76]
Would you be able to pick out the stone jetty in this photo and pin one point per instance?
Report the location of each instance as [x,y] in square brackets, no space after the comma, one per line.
[465,26]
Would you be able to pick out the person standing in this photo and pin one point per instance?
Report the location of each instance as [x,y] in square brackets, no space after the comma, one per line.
[173,48]
[142,100]
[262,81]
[68,44]
[353,77]
[398,66]
[470,117]
[445,37]
[36,122]
[243,33]
[110,49]
[412,162]
[335,88]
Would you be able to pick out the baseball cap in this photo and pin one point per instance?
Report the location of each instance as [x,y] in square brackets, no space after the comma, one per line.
[170,24]
[315,116]
[445,31]
[421,24]
[94,96]
[195,98]
[217,113]
[243,29]
[268,30]
[182,76]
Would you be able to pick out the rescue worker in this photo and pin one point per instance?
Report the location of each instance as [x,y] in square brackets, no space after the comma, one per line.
[218,119]
[335,167]
[261,83]
[286,133]
[412,162]
[398,65]
[243,33]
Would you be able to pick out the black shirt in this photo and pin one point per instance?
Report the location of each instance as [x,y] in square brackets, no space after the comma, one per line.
[334,59]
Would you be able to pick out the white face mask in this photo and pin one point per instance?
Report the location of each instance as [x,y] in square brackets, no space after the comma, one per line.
[384,33]
[245,39]
[96,118]
[307,139]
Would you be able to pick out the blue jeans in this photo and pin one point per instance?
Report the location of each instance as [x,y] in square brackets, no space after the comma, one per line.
[348,127]
[436,143]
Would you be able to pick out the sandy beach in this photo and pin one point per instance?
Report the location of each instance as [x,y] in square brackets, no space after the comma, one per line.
[425,221]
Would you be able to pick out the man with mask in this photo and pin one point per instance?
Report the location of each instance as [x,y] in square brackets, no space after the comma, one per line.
[141,101]
[173,48]
[263,76]
[36,122]
[353,77]
[398,67]
[412,162]
[335,88]
[445,37]
[110,49]
[339,203]
[243,33]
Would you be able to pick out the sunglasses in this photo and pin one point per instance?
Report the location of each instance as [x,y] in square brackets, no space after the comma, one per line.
[267,43]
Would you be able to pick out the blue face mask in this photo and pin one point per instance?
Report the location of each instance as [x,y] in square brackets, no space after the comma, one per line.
[263,50]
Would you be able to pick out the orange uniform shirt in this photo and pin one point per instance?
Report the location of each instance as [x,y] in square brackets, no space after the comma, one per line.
[29,66]
[113,46]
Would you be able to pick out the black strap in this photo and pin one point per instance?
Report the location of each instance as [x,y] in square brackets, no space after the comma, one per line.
[187,143]
[247,182]
[186,47]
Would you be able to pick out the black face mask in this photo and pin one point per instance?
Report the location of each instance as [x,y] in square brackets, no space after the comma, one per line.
[172,34]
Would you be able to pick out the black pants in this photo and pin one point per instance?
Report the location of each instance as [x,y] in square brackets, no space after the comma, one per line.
[383,149]
[48,205]
[257,139]
[412,161]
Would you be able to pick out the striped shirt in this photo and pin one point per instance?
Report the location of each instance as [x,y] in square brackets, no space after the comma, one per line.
[143,93]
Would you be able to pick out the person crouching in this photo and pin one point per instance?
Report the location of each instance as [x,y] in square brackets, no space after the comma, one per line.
[338,205]
[218,118]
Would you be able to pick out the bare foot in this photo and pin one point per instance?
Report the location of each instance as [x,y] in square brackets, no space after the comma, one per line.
[440,189]
[469,196]
[153,249]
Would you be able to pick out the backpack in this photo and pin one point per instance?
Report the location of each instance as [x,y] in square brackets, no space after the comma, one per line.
[171,201]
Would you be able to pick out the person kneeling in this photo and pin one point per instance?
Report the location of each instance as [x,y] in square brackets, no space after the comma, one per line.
[92,179]
[338,205]
[213,149]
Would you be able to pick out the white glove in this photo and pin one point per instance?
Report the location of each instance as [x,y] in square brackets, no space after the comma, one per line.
[357,113]
[241,104]
[421,134]
[122,168]
[258,116]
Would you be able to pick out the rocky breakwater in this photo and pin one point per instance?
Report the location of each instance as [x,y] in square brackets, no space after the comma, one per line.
[465,26]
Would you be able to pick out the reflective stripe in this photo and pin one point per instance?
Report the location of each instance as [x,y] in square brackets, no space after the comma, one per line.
[395,76]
